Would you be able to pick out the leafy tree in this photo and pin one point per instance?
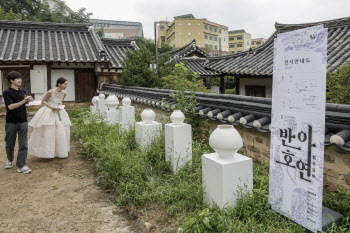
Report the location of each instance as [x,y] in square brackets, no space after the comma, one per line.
[338,85]
[28,9]
[207,49]
[35,10]
[99,31]
[182,79]
[136,70]
[149,44]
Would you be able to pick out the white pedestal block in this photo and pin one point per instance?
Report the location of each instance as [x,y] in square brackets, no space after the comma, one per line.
[101,106]
[224,180]
[178,145]
[93,109]
[146,133]
[111,116]
[126,118]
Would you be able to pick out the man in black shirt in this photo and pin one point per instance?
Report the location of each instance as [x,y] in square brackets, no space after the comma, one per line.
[16,122]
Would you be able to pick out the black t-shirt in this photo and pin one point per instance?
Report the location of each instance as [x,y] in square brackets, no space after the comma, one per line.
[18,115]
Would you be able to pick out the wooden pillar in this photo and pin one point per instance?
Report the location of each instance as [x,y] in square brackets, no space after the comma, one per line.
[48,76]
[237,86]
[222,84]
[205,82]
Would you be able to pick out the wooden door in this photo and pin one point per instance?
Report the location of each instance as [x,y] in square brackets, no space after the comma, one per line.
[85,85]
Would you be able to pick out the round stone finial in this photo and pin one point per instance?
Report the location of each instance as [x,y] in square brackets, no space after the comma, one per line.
[177,117]
[226,141]
[148,116]
[101,96]
[112,102]
[94,100]
[126,101]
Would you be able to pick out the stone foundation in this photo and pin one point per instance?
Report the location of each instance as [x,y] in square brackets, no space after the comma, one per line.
[257,146]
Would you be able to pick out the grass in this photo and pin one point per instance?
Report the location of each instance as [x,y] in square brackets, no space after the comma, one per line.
[142,178]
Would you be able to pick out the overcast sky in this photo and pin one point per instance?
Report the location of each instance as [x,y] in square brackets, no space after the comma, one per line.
[257,17]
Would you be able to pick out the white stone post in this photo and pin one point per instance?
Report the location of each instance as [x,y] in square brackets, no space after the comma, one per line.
[178,141]
[93,107]
[147,130]
[126,118]
[112,113]
[100,104]
[226,174]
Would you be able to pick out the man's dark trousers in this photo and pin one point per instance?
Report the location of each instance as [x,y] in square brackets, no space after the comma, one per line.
[11,130]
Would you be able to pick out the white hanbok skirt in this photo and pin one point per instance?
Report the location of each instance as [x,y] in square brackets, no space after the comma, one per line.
[51,134]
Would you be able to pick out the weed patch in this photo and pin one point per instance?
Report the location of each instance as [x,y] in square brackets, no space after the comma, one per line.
[142,178]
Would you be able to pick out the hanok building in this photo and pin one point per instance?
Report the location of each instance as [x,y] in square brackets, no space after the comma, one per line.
[43,52]
[253,69]
[117,50]
[193,57]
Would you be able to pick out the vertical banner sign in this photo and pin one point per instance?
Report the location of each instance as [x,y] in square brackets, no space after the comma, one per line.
[298,124]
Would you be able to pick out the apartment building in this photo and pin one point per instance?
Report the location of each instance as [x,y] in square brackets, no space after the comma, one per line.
[239,40]
[186,28]
[257,42]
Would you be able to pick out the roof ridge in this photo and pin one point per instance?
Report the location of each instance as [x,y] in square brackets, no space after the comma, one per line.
[10,24]
[328,23]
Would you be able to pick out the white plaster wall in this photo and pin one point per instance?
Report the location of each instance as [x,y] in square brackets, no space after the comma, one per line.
[39,96]
[69,75]
[267,82]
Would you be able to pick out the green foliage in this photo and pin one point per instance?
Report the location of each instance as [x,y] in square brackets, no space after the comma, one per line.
[183,79]
[338,85]
[230,91]
[136,70]
[143,178]
[150,45]
[139,177]
[99,31]
[208,49]
[35,10]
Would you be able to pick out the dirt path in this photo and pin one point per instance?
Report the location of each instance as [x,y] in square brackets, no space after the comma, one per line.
[60,195]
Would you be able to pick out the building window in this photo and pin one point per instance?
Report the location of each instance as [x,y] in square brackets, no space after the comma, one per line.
[215,29]
[215,38]
[239,38]
[211,46]
[231,38]
[239,45]
[206,45]
[162,38]
[210,37]
[205,27]
[162,28]
[258,42]
[219,30]
[252,43]
[247,43]
[210,28]
[215,47]
[206,36]
[231,45]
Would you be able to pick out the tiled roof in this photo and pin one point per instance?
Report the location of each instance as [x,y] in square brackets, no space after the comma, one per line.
[259,61]
[247,111]
[187,51]
[117,49]
[49,42]
[193,57]
[196,65]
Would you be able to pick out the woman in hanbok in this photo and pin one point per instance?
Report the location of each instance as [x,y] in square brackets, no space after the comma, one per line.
[51,134]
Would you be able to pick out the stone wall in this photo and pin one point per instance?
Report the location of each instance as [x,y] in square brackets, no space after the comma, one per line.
[257,146]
